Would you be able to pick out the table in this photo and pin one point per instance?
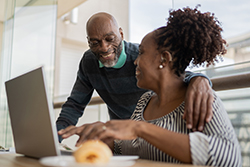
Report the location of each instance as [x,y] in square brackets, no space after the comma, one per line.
[17,160]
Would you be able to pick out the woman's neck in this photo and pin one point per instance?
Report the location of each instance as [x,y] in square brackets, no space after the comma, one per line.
[171,90]
[169,95]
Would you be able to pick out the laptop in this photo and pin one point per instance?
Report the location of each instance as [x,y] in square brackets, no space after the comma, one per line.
[32,116]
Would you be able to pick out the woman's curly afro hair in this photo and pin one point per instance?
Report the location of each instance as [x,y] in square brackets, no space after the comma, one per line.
[191,36]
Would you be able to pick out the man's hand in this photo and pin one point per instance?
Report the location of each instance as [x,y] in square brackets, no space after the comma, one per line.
[198,103]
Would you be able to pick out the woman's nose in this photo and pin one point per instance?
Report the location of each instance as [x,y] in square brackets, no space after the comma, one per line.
[135,62]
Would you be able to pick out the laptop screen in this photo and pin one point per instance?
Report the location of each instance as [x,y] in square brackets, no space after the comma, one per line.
[31,114]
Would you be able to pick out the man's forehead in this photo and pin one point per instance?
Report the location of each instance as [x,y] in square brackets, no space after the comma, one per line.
[101,18]
[98,26]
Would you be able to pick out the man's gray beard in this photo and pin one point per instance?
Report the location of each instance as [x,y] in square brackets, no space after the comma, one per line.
[111,63]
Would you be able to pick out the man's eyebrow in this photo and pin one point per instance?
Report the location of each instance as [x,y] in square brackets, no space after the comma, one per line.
[96,39]
[110,33]
[92,39]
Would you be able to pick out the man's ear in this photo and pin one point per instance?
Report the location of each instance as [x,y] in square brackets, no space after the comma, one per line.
[121,32]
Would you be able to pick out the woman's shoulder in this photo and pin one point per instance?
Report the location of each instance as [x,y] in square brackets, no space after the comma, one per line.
[220,118]
[144,99]
[146,96]
[217,103]
[141,104]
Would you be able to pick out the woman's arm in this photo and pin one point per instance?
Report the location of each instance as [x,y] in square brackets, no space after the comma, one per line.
[216,146]
[172,143]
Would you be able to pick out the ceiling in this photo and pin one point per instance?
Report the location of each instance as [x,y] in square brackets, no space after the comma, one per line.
[64,6]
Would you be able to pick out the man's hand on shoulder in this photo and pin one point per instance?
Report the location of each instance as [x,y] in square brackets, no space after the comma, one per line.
[198,103]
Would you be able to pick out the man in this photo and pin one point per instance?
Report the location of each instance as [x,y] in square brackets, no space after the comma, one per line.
[108,67]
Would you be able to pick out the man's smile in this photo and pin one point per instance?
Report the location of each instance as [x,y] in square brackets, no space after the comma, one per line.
[107,56]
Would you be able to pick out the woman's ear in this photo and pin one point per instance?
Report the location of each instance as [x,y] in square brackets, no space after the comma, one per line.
[166,57]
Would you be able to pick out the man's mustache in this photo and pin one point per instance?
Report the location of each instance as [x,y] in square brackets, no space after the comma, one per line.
[108,52]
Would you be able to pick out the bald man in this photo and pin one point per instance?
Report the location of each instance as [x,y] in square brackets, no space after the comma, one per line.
[108,67]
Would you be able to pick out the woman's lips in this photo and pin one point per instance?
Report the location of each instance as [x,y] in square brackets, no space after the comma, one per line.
[137,72]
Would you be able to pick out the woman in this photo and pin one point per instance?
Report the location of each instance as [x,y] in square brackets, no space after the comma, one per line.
[157,130]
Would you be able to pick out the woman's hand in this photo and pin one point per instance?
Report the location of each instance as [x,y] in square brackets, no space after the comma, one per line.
[120,129]
[115,129]
[82,131]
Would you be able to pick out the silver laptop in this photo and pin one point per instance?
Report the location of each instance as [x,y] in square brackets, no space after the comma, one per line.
[31,115]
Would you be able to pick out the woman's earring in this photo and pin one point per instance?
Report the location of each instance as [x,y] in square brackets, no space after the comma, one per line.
[160,66]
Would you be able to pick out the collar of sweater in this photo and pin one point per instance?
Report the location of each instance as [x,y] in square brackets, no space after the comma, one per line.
[121,61]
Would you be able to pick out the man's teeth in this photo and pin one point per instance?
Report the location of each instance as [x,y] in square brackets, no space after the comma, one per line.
[106,55]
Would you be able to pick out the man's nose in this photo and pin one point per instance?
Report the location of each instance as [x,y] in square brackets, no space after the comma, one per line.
[104,46]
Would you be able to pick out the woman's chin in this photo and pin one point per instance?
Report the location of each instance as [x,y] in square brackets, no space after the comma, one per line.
[139,85]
